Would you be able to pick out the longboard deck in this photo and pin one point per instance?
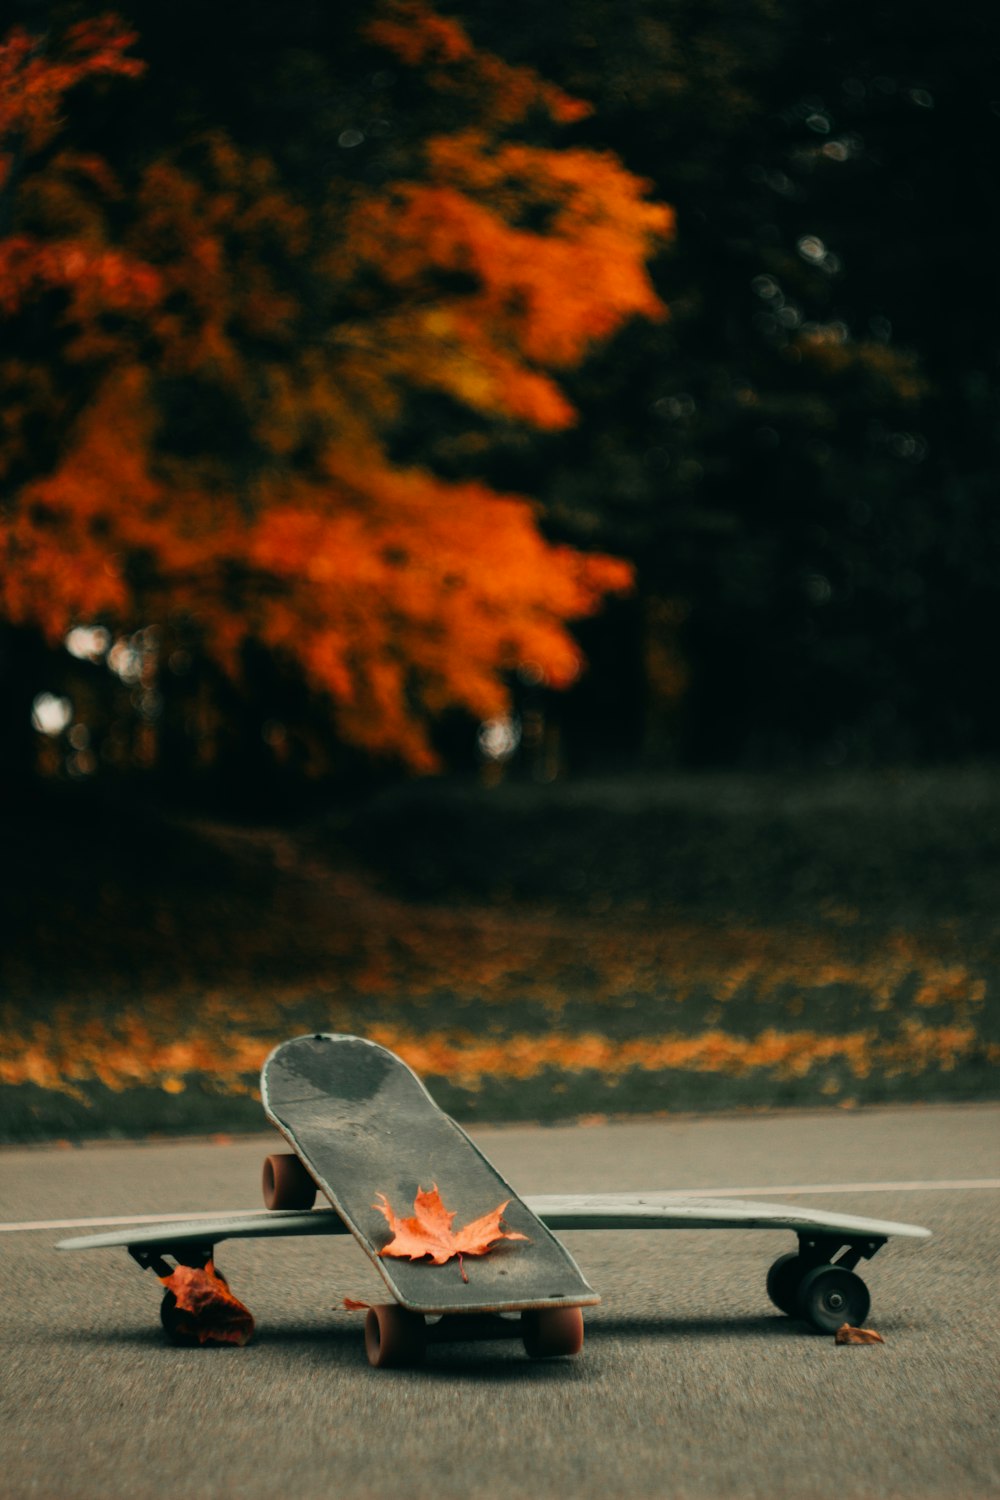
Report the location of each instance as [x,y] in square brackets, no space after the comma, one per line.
[364,1124]
[641,1211]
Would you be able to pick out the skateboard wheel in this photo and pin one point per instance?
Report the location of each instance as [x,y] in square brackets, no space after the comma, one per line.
[286,1182]
[394,1337]
[831,1295]
[783,1283]
[175,1325]
[551,1331]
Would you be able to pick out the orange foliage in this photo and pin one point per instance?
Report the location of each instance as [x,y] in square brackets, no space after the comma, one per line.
[130,1054]
[440,46]
[393,593]
[468,1059]
[429,1232]
[32,88]
[473,992]
[33,85]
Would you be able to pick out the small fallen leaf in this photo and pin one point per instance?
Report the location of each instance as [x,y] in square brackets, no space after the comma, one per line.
[206,1309]
[353,1304]
[429,1232]
[847,1335]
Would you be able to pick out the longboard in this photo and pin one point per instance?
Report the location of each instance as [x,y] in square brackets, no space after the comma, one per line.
[821,1236]
[556,1211]
[363,1124]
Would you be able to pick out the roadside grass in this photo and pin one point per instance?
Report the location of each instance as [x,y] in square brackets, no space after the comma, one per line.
[588,949]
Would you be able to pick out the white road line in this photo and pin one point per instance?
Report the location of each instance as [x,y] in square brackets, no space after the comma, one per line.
[933,1185]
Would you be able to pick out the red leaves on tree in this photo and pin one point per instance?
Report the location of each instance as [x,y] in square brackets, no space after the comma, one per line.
[429,1231]
[94,279]
[206,1311]
[33,86]
[33,83]
[481,268]
[443,49]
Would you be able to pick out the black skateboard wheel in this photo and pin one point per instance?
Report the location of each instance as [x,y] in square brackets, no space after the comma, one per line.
[394,1337]
[176,1325]
[286,1182]
[783,1281]
[832,1295]
[551,1331]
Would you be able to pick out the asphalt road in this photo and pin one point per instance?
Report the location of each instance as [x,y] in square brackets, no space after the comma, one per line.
[690,1384]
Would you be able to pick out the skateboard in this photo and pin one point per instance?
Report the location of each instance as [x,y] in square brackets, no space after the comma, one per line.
[363,1128]
[362,1123]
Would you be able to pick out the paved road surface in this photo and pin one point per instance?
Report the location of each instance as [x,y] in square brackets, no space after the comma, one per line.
[689,1384]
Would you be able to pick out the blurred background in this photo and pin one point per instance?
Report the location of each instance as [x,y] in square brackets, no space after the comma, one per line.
[499,549]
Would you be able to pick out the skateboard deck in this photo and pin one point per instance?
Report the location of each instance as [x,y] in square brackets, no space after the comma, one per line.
[576,1211]
[362,1123]
[821,1237]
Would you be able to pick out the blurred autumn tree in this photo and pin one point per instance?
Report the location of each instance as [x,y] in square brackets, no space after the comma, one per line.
[801,461]
[213,354]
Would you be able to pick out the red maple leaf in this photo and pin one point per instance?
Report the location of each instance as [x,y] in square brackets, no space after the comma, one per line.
[429,1232]
[206,1309]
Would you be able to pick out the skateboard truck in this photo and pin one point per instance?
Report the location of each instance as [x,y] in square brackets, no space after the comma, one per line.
[819,1249]
[150,1257]
[827,1292]
[184,1325]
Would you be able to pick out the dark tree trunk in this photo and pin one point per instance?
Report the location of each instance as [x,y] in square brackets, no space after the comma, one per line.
[24,657]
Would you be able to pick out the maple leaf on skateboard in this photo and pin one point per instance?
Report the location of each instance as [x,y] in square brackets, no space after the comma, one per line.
[206,1312]
[429,1232]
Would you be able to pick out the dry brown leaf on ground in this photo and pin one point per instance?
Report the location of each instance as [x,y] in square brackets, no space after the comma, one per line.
[847,1335]
[429,1232]
[207,1311]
